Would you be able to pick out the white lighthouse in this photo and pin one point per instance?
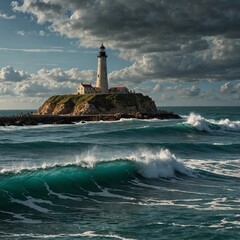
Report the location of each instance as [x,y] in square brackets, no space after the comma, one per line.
[102,79]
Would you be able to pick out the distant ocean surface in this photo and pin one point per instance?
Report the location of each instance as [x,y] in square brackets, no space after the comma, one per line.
[129,179]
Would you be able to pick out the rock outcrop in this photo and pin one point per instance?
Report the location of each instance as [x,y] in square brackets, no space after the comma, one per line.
[92,104]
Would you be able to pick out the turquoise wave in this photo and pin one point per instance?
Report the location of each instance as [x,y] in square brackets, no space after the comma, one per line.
[71,179]
[72,146]
[82,177]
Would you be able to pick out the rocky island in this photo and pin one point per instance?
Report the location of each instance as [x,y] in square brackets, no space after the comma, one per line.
[93,103]
[68,109]
[103,107]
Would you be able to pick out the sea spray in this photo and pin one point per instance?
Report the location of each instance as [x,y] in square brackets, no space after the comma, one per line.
[228,125]
[160,164]
[207,125]
[199,122]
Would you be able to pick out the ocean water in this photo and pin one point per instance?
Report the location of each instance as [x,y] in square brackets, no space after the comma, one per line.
[130,179]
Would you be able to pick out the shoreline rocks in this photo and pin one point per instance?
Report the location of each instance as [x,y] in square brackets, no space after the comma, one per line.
[32,120]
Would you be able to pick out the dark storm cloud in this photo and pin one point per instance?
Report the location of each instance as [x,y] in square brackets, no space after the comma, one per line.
[181,39]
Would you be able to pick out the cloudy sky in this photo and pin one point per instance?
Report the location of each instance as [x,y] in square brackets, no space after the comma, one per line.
[179,52]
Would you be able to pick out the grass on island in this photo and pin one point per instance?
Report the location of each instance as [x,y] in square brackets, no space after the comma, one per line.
[107,101]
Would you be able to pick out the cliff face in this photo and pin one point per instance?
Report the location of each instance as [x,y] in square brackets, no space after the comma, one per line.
[90,104]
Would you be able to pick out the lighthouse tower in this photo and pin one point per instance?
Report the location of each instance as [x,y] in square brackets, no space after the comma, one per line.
[102,80]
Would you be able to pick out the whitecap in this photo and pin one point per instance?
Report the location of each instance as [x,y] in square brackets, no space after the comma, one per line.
[162,164]
[150,164]
[209,125]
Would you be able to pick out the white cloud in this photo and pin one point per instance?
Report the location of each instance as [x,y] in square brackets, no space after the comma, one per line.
[7,17]
[42,89]
[40,33]
[73,75]
[21,33]
[190,92]
[44,83]
[167,96]
[39,50]
[230,88]
[9,74]
[6,89]
[157,88]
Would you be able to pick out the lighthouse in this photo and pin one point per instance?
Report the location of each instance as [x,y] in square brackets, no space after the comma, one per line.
[102,80]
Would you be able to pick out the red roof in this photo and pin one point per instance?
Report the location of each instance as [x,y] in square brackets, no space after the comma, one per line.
[118,88]
[86,85]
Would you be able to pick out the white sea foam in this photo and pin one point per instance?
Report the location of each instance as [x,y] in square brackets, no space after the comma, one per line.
[85,160]
[121,120]
[223,204]
[226,224]
[228,125]
[141,184]
[87,234]
[199,122]
[105,192]
[17,168]
[60,195]
[216,204]
[39,126]
[20,218]
[33,203]
[208,125]
[184,116]
[222,167]
[158,164]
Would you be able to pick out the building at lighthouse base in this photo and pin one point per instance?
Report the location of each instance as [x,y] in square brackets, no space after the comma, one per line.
[86,88]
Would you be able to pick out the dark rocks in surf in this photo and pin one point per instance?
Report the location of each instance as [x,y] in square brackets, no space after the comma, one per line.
[50,119]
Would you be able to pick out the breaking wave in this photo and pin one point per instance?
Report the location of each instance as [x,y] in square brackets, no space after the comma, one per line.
[206,125]
[148,164]
[85,179]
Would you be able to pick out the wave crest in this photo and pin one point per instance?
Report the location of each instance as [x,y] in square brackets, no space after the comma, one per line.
[149,164]
[206,125]
[162,164]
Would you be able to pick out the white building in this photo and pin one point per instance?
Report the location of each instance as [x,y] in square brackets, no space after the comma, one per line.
[85,88]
